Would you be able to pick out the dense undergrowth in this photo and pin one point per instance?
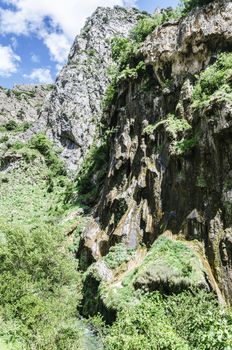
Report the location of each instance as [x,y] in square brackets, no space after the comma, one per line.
[40,285]
[39,288]
[187,321]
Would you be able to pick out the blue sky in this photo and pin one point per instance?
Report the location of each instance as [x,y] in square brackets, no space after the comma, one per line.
[36,35]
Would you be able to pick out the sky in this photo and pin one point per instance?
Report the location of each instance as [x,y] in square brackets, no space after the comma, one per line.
[36,35]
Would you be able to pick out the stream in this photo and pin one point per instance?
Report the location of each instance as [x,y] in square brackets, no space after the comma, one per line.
[89,339]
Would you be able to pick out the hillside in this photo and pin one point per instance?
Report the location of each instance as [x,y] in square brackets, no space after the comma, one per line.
[116,197]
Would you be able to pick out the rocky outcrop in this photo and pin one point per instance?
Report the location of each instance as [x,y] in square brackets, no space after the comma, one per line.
[73,110]
[23,103]
[188,46]
[152,186]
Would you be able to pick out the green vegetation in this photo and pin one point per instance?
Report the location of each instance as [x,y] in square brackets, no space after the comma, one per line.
[128,63]
[173,125]
[170,266]
[187,321]
[40,286]
[12,125]
[184,146]
[201,181]
[176,129]
[89,182]
[23,94]
[188,5]
[148,24]
[39,289]
[215,81]
[118,254]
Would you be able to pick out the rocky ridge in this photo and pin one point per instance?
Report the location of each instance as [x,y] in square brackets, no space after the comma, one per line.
[23,103]
[71,113]
[152,187]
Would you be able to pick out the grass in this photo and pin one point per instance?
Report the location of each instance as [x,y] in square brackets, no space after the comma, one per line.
[170,267]
[40,285]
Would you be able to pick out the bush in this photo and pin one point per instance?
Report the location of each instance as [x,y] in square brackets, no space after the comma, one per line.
[148,24]
[187,321]
[39,288]
[215,79]
[188,5]
[41,143]
[117,255]
[173,126]
[184,146]
[11,125]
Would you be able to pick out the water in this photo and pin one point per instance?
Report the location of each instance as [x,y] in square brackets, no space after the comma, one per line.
[89,339]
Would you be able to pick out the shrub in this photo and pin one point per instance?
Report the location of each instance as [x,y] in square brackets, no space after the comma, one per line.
[4,139]
[117,255]
[187,321]
[147,24]
[215,79]
[39,288]
[172,125]
[188,5]
[92,174]
[11,125]
[184,146]
[41,143]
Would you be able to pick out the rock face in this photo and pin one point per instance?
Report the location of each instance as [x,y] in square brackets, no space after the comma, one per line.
[188,46]
[73,110]
[23,103]
[151,186]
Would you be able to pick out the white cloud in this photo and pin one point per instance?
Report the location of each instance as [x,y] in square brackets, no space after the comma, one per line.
[40,75]
[58,45]
[8,61]
[66,18]
[35,58]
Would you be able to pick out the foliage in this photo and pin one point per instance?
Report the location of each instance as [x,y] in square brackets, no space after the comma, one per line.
[169,266]
[214,80]
[148,24]
[4,138]
[128,63]
[187,321]
[188,5]
[39,288]
[117,255]
[183,146]
[176,129]
[201,182]
[90,179]
[123,51]
[174,125]
[41,143]
[12,125]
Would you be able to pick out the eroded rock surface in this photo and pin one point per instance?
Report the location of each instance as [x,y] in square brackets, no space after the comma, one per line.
[150,187]
[23,103]
[72,112]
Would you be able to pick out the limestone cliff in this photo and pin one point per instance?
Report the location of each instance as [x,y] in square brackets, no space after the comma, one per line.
[170,160]
[23,103]
[73,110]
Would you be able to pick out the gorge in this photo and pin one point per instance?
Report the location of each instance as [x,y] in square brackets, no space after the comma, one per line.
[116,188]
